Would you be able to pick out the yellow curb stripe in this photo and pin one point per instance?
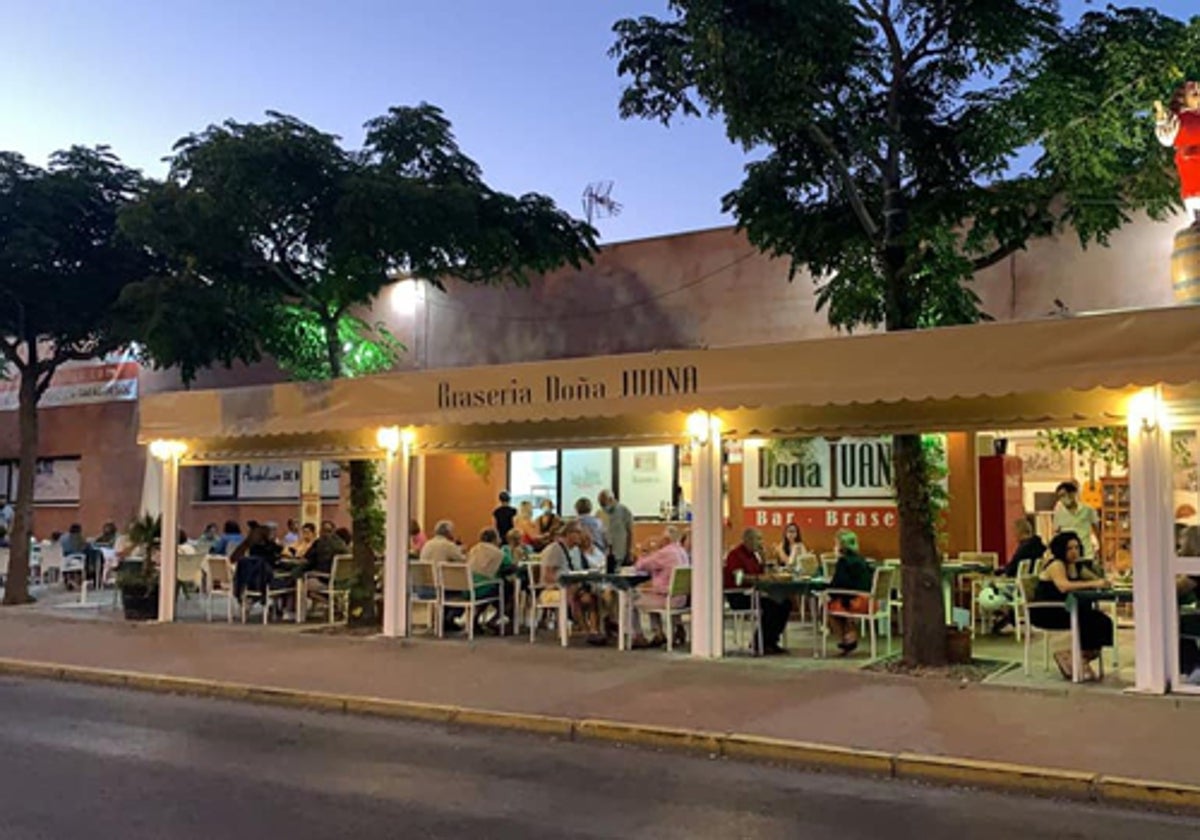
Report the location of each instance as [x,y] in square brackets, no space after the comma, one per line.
[995,775]
[541,724]
[818,756]
[650,736]
[1119,790]
[1013,778]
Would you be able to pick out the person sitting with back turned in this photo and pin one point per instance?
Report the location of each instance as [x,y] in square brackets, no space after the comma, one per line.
[1060,577]
[747,559]
[852,574]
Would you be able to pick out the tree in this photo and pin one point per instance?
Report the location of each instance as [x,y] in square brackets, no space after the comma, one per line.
[63,264]
[279,238]
[894,137]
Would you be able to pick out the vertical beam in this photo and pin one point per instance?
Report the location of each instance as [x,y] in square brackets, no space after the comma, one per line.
[708,637]
[310,493]
[169,542]
[1151,510]
[418,490]
[395,552]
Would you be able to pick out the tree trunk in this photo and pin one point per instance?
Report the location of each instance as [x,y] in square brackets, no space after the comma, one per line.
[362,512]
[924,612]
[16,587]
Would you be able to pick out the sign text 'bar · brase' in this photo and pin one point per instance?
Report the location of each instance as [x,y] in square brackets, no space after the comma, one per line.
[624,383]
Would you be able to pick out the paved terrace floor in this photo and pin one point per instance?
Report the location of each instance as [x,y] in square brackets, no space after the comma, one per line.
[1085,727]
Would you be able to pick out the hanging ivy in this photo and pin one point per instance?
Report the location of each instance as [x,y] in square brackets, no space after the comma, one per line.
[480,464]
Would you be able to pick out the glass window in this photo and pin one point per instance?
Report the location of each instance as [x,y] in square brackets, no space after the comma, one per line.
[647,479]
[55,481]
[533,476]
[585,472]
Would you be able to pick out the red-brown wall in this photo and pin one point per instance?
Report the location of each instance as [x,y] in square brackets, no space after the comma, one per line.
[454,491]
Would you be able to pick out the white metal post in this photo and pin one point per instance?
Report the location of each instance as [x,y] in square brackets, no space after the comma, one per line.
[1151,510]
[169,542]
[310,493]
[708,637]
[418,490]
[395,557]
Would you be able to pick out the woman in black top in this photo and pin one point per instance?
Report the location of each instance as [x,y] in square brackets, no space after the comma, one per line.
[1062,576]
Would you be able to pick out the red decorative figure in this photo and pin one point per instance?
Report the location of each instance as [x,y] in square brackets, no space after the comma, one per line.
[1178,125]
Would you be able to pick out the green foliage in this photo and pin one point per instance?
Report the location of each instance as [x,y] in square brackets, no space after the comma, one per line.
[366,505]
[892,132]
[480,464]
[1098,444]
[937,473]
[276,235]
[63,264]
[144,534]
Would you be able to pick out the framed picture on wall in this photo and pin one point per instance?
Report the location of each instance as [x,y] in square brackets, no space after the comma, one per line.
[1041,464]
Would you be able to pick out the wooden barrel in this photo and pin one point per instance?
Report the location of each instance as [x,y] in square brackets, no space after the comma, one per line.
[1185,265]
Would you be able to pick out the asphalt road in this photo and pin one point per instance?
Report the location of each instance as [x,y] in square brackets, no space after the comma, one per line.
[87,762]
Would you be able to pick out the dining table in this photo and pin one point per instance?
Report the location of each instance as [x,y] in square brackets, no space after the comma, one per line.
[622,581]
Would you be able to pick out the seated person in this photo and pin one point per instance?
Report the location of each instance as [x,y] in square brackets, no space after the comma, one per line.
[441,548]
[108,536]
[851,574]
[254,559]
[416,539]
[789,551]
[1060,577]
[747,559]
[306,540]
[652,595]
[582,601]
[1188,588]
[548,522]
[996,599]
[514,550]
[231,537]
[4,537]
[486,560]
[73,542]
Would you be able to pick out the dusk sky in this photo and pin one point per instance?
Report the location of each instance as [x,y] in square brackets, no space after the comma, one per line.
[526,83]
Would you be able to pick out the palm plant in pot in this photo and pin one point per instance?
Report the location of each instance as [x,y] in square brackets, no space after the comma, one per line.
[137,578]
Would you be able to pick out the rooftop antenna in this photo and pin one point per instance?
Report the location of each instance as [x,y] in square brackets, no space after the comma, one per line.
[598,202]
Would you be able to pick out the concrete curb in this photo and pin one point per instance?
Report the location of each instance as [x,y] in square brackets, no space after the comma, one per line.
[1011,778]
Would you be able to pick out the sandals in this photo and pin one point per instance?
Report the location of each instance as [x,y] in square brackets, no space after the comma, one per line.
[1062,659]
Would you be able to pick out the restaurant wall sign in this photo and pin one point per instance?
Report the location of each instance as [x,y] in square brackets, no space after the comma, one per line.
[819,483]
[553,389]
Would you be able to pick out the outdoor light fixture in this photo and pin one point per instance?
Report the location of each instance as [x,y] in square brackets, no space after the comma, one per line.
[388,438]
[1146,407]
[167,450]
[408,435]
[700,426]
[406,297]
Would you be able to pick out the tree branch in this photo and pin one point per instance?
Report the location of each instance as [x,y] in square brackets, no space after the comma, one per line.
[852,194]
[1001,253]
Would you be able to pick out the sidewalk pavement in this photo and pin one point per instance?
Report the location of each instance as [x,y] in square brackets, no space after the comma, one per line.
[1071,728]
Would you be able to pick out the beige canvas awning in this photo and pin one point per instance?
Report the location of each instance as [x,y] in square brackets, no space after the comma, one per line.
[1071,370]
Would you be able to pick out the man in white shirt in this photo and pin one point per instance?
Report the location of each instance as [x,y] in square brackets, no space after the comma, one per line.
[441,547]
[1070,514]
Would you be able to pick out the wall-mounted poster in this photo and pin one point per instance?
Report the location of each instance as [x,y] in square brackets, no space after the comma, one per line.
[56,481]
[585,472]
[646,476]
[1042,464]
[221,481]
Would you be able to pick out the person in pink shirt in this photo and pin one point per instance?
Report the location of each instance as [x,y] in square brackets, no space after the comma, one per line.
[653,594]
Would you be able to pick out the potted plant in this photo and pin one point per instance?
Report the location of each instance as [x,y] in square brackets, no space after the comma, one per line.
[138,578]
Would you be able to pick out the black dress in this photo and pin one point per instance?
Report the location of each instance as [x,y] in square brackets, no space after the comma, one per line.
[1095,628]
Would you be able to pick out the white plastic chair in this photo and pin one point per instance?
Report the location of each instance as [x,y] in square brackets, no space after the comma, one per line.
[52,563]
[748,615]
[4,564]
[456,589]
[1029,587]
[189,571]
[335,586]
[422,580]
[879,608]
[681,584]
[217,583]
[533,573]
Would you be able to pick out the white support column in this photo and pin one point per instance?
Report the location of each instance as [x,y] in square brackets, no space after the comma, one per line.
[395,552]
[708,636]
[310,493]
[169,541]
[418,490]
[1151,510]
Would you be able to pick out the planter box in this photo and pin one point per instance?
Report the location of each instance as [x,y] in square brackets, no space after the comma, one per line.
[140,603]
